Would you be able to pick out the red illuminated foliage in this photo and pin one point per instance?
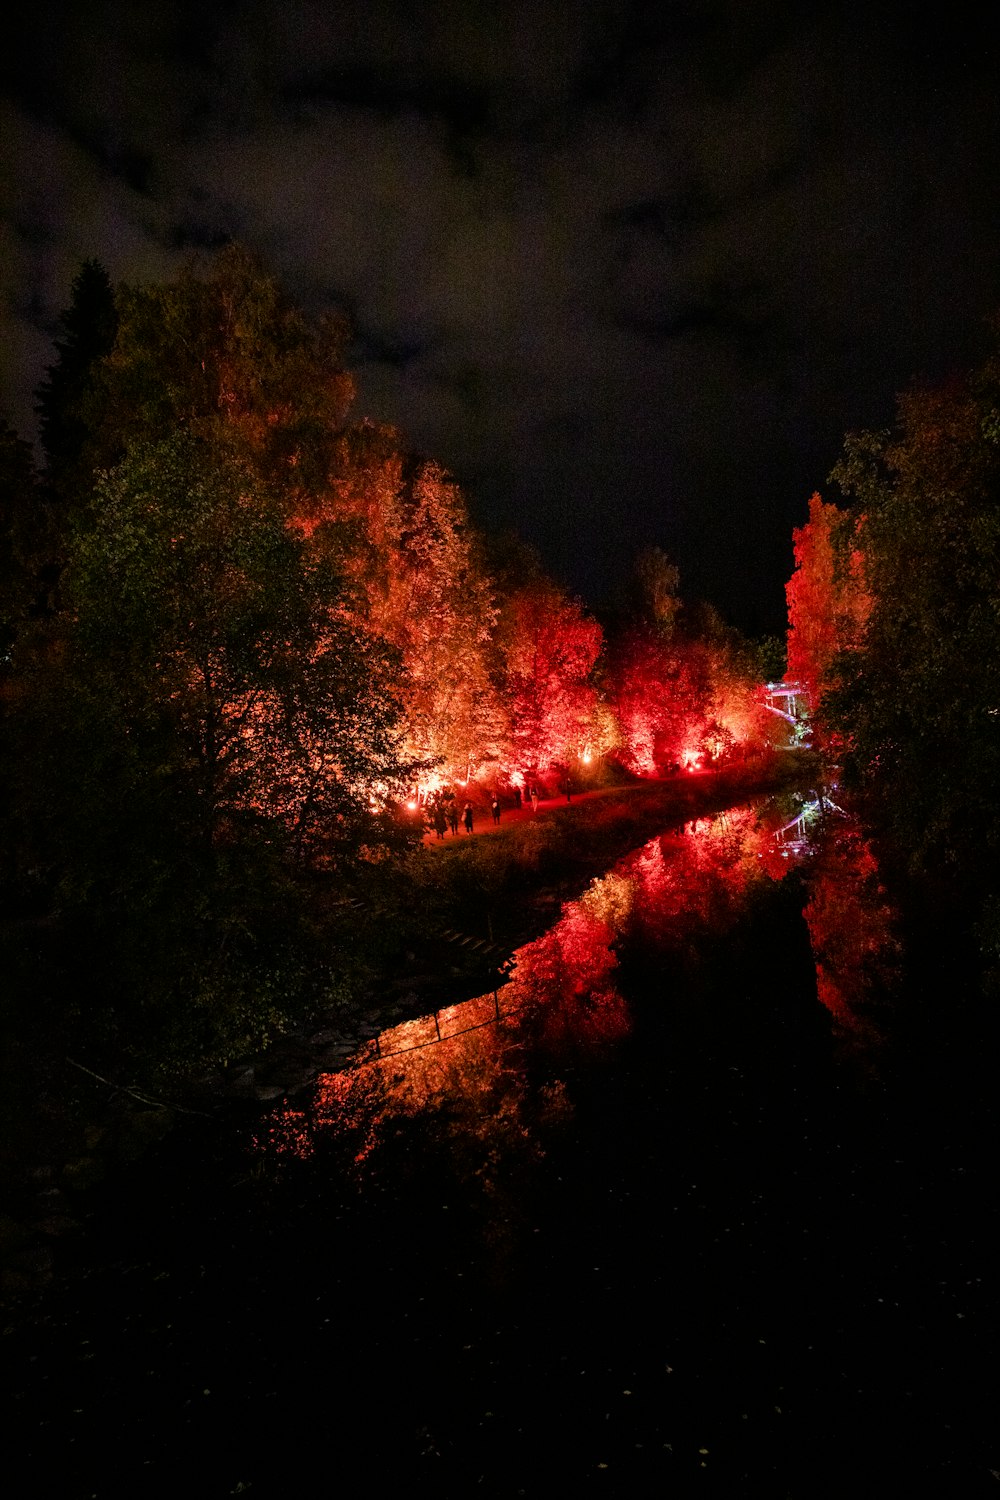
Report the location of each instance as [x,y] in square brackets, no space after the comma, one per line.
[470,1071]
[547,649]
[222,352]
[490,673]
[226,670]
[828,599]
[418,585]
[854,931]
[660,693]
[683,684]
[683,702]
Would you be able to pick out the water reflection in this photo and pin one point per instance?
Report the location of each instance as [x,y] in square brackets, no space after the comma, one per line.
[854,932]
[489,1076]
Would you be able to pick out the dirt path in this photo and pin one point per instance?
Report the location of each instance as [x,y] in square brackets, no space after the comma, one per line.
[484,824]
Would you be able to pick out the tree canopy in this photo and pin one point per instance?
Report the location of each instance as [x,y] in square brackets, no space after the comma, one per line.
[894,615]
[242,626]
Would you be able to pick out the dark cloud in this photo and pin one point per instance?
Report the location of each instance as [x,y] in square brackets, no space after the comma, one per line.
[631,271]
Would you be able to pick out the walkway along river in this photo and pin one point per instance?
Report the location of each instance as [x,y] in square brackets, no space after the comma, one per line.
[645,1221]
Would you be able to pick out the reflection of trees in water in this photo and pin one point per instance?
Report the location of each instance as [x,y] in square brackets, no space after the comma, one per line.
[479,1075]
[487,1077]
[695,880]
[853,929]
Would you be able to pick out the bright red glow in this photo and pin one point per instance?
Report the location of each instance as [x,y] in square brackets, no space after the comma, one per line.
[472,1072]
[853,929]
[419,588]
[549,649]
[828,600]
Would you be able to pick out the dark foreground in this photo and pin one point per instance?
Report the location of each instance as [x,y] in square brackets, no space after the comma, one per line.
[649,1234]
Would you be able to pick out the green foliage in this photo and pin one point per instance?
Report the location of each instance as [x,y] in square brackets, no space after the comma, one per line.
[770,652]
[920,697]
[201,726]
[226,657]
[199,721]
[258,625]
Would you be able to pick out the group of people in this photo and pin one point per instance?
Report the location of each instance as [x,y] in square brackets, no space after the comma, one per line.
[443,811]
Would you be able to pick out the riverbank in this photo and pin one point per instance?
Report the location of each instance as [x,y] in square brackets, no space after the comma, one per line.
[471,902]
[639,1230]
[490,885]
[466,906]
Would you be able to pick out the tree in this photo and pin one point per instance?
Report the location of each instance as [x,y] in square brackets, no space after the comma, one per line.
[227,652]
[200,727]
[22,532]
[684,685]
[828,599]
[657,583]
[920,690]
[221,353]
[547,649]
[224,354]
[66,402]
[420,584]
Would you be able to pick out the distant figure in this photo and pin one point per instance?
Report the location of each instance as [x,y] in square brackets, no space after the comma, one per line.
[440,819]
[467,817]
[453,815]
[533,794]
[496,810]
[517,798]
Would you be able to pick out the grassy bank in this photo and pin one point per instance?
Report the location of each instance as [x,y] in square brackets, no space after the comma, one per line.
[392,955]
[489,886]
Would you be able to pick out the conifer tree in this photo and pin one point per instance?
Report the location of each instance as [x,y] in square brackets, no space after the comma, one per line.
[68,400]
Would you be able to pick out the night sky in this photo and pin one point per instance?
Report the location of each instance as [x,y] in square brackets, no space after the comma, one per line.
[629,271]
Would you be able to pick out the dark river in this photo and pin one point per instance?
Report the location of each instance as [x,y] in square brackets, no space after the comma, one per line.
[660,1216]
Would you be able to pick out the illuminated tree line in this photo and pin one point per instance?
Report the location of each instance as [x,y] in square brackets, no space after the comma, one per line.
[305,601]
[240,628]
[894,624]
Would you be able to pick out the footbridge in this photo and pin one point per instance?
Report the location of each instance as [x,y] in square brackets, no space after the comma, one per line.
[789,700]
